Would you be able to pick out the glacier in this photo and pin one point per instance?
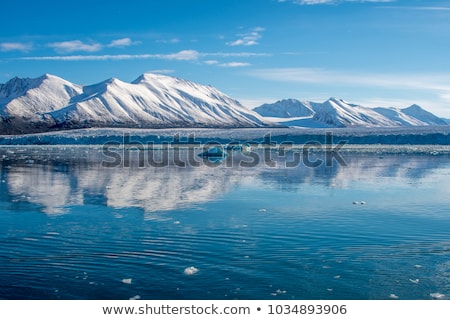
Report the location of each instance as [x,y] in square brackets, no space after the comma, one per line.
[420,135]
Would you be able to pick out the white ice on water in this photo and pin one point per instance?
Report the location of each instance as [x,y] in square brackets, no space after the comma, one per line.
[189,271]
[437,295]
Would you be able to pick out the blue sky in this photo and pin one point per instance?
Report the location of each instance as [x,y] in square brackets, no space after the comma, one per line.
[373,52]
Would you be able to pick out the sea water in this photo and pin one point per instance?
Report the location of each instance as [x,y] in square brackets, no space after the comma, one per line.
[374,227]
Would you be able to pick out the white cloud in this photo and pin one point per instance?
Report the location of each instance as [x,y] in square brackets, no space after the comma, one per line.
[234,64]
[161,71]
[15,46]
[248,39]
[186,55]
[323,76]
[75,45]
[121,43]
[169,41]
[236,54]
[315,2]
[211,62]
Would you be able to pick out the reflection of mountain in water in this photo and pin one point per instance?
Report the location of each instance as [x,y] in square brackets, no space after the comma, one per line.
[53,179]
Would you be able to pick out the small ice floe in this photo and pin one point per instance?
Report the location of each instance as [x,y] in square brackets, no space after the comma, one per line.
[337,277]
[417,266]
[136,297]
[109,187]
[189,271]
[176,222]
[330,290]
[127,281]
[437,295]
[262,210]
[393,296]
[415,281]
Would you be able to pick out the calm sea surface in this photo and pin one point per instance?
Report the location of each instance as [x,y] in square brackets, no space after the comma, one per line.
[70,228]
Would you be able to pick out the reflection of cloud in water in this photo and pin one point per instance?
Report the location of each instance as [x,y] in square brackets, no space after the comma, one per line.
[56,184]
[42,186]
[158,189]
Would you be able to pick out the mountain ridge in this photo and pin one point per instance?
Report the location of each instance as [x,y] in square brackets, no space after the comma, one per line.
[51,103]
[338,113]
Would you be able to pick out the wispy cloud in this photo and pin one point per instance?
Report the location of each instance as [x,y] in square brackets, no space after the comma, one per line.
[234,64]
[16,46]
[419,8]
[161,71]
[211,62]
[248,38]
[438,82]
[75,45]
[315,2]
[236,54]
[122,43]
[185,55]
[169,41]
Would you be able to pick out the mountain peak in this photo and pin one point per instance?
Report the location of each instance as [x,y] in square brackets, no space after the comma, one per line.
[18,86]
[414,107]
[150,77]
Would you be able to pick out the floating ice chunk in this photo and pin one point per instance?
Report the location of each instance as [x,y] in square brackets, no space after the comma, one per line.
[189,271]
[136,297]
[437,295]
[393,296]
[337,277]
[262,210]
[417,266]
[416,281]
[127,281]
[176,222]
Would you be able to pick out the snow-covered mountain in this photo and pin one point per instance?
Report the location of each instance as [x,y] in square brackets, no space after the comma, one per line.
[288,108]
[337,113]
[151,101]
